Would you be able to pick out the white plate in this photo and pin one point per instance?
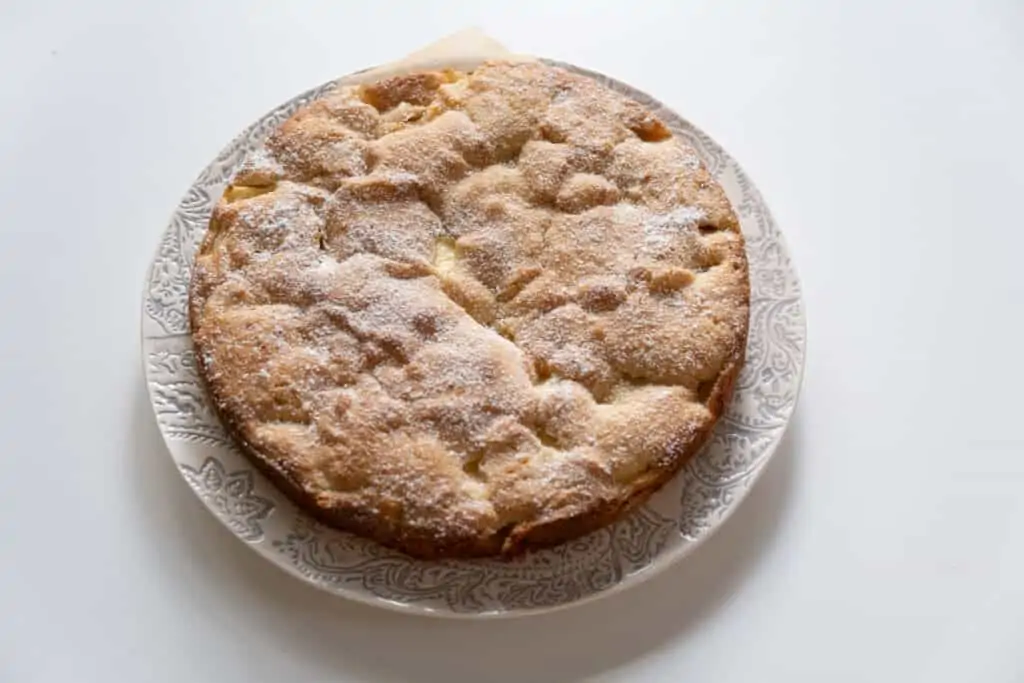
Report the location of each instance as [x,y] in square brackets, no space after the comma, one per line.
[675,521]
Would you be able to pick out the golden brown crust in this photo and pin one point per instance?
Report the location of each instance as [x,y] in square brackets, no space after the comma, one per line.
[469,314]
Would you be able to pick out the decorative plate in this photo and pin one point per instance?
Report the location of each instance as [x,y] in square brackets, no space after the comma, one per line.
[671,524]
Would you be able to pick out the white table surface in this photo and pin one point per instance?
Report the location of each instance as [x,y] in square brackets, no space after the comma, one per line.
[886,540]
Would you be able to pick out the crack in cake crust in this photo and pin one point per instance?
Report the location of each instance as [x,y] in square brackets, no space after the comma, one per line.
[466,314]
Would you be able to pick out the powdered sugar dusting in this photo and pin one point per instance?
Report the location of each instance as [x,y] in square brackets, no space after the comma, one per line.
[435,311]
[258,168]
[660,230]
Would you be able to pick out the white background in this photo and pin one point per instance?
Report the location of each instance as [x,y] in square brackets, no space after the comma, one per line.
[886,540]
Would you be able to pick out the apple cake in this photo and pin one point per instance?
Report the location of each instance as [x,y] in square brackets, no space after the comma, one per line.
[467,314]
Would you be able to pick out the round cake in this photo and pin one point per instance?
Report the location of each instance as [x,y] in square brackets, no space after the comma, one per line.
[466,314]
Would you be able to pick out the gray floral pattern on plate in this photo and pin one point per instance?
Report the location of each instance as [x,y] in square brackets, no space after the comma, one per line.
[231,495]
[673,522]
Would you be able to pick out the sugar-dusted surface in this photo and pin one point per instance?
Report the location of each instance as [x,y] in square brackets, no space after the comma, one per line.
[463,314]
